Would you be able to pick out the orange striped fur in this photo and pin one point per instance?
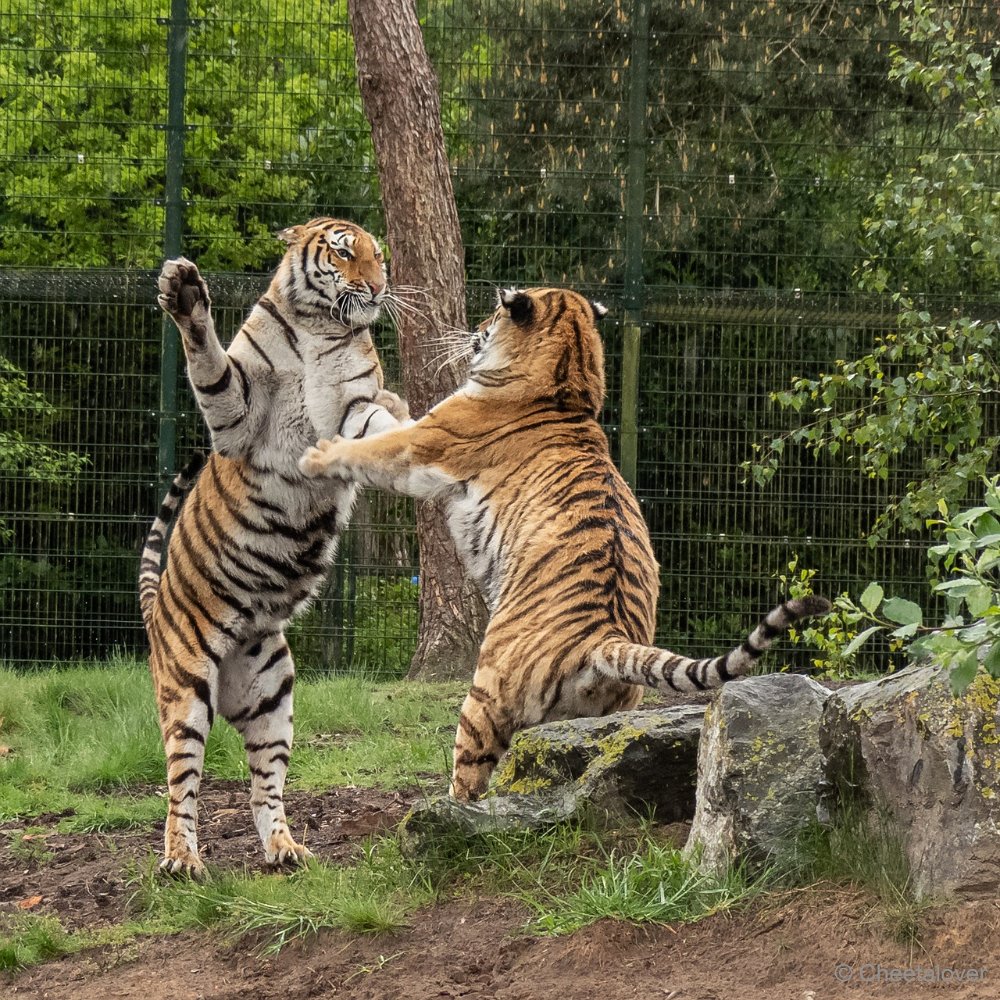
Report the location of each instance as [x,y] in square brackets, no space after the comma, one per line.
[254,538]
[548,528]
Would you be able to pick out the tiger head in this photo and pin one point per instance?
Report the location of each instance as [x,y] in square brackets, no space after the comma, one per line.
[335,267]
[543,342]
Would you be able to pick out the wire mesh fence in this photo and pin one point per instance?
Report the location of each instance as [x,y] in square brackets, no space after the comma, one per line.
[704,168]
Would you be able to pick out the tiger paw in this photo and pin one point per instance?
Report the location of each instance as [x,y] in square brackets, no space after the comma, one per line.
[398,408]
[281,849]
[325,459]
[183,864]
[184,297]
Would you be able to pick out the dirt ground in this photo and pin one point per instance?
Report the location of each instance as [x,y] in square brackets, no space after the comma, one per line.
[792,947]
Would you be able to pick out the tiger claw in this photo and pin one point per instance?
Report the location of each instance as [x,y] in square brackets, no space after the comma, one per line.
[192,868]
[320,460]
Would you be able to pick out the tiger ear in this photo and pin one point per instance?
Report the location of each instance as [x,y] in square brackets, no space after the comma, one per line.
[600,310]
[289,235]
[519,305]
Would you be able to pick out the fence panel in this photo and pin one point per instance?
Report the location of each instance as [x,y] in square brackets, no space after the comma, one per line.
[703,168]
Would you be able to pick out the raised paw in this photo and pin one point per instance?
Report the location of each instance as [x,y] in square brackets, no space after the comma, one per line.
[325,459]
[184,297]
[397,407]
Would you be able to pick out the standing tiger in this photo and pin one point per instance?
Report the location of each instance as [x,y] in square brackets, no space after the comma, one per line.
[547,527]
[255,537]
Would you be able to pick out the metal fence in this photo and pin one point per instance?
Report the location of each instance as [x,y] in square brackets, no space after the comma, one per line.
[703,167]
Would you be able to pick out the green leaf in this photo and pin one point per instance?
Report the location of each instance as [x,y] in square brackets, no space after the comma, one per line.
[958,587]
[979,601]
[872,597]
[902,612]
[992,660]
[963,671]
[855,644]
[905,631]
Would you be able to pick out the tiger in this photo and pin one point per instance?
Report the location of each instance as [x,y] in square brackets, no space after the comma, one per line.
[254,537]
[546,526]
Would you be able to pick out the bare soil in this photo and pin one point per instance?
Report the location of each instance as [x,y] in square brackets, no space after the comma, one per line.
[790,947]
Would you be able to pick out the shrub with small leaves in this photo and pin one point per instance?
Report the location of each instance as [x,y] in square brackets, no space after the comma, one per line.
[964,572]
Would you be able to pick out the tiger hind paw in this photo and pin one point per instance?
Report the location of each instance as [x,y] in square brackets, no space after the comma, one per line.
[281,849]
[183,865]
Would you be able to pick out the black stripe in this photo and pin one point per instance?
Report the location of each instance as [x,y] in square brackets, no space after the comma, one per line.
[286,327]
[220,385]
[268,705]
[182,732]
[350,406]
[244,381]
[691,672]
[253,343]
[723,669]
[276,657]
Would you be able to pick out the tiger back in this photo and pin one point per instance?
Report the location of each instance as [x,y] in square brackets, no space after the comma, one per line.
[546,525]
[252,542]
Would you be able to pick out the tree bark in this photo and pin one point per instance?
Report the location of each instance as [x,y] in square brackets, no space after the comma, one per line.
[399,92]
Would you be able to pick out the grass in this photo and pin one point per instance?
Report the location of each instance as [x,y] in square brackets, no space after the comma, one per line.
[85,740]
[85,752]
[27,939]
[860,849]
[568,877]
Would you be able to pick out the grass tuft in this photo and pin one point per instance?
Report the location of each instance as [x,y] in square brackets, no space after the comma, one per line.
[860,848]
[27,939]
[371,897]
[657,885]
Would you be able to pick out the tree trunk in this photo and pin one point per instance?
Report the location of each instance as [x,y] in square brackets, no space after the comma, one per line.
[399,91]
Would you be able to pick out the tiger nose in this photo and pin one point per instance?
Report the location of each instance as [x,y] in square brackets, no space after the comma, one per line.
[375,287]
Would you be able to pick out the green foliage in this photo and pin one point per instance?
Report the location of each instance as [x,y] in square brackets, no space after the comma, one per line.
[737,98]
[363,624]
[934,228]
[21,454]
[964,571]
[83,99]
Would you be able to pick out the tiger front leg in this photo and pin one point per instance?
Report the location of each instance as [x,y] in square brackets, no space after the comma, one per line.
[221,388]
[184,298]
[386,461]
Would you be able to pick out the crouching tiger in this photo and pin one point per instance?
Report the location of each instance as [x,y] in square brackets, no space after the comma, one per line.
[254,537]
[548,528]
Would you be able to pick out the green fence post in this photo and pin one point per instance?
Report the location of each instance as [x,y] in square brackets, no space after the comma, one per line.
[635,193]
[173,228]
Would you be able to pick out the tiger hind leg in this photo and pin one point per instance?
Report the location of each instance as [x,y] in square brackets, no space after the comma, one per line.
[186,715]
[485,728]
[255,695]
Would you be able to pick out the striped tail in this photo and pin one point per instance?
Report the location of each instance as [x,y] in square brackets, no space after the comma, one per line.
[635,664]
[152,553]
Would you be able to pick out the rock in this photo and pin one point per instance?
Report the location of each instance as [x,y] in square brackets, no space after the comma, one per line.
[623,764]
[931,763]
[431,826]
[759,767]
[618,766]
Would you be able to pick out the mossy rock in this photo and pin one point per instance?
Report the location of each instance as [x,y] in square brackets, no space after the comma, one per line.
[759,770]
[907,746]
[629,762]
